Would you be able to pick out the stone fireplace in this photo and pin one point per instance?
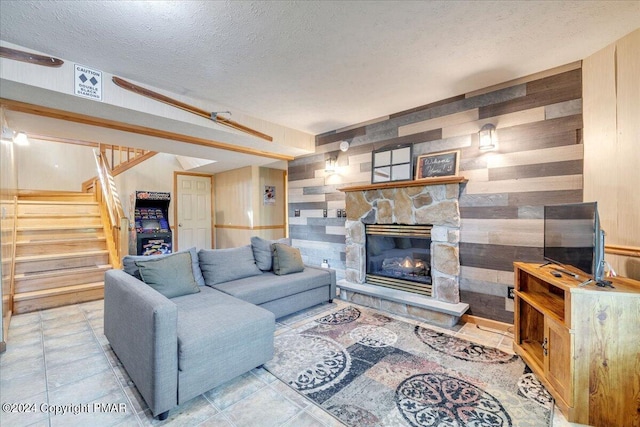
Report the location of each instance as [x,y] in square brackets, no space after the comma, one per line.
[431,203]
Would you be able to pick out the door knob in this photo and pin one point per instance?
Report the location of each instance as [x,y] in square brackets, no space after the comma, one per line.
[179,224]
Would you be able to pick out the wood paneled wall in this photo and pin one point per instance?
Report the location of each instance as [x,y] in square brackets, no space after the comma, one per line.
[538,161]
[240,212]
[269,215]
[612,144]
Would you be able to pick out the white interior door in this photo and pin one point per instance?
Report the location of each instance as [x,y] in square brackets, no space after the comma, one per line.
[193,211]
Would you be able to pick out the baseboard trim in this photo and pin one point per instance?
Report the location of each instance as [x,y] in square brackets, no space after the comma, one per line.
[487,323]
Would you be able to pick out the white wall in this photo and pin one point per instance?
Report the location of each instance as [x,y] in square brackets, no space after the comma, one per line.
[154,174]
[46,165]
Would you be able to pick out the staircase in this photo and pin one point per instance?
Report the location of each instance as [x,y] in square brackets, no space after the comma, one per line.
[61,251]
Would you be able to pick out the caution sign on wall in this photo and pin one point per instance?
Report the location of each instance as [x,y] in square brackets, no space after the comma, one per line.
[87,82]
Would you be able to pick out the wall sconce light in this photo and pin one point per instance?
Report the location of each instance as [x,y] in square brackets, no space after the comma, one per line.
[330,165]
[487,137]
[20,138]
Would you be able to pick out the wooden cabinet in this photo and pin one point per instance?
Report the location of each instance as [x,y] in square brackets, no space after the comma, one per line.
[583,343]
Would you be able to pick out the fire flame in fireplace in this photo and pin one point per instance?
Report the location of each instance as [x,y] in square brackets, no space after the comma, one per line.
[410,263]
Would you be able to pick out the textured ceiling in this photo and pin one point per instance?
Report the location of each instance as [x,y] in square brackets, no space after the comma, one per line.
[319,65]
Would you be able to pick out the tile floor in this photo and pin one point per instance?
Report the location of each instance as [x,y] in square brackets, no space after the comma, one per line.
[59,360]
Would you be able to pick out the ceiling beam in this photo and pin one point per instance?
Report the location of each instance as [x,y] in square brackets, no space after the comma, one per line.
[54,113]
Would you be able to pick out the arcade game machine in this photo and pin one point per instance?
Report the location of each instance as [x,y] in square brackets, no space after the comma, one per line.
[151,214]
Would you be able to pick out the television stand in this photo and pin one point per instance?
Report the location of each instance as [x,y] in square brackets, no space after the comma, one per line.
[581,343]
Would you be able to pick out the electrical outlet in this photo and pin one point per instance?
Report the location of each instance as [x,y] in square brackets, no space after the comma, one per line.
[510,292]
[324,213]
[296,212]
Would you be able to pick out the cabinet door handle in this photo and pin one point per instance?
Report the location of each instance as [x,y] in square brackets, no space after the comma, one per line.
[545,346]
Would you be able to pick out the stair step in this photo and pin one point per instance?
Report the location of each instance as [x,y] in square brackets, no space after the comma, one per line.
[28,207]
[57,227]
[56,196]
[59,278]
[55,221]
[52,262]
[41,247]
[35,234]
[59,256]
[61,215]
[25,240]
[58,202]
[26,302]
[61,250]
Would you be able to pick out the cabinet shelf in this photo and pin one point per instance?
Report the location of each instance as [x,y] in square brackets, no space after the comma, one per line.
[552,304]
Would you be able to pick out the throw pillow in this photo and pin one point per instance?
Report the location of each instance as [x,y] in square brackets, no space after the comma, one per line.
[262,251]
[223,265]
[172,275]
[129,264]
[286,259]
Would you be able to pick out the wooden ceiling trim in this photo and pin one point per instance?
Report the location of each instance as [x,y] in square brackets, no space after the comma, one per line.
[39,110]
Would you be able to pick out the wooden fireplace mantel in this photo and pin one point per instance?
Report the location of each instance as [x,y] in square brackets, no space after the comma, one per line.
[439,180]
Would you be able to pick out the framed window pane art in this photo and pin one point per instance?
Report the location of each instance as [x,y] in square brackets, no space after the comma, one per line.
[391,164]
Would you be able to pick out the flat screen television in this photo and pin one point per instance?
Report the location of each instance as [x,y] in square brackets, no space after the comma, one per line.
[573,237]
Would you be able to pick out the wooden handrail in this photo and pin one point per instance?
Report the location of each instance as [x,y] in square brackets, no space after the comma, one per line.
[138,157]
[118,222]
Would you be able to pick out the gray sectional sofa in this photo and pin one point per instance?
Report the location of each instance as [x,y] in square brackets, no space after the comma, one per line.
[217,324]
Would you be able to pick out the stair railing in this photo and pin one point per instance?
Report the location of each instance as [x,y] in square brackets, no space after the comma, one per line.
[107,195]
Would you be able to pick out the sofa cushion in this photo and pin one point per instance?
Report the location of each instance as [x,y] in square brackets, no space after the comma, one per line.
[172,275]
[129,264]
[262,251]
[270,286]
[214,323]
[223,265]
[286,259]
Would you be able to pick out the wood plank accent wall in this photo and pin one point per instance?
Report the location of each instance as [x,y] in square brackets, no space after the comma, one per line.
[538,161]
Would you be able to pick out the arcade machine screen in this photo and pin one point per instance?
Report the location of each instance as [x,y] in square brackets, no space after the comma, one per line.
[153,234]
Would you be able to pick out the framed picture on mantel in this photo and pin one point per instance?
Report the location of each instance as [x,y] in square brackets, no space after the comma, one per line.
[446,163]
[391,164]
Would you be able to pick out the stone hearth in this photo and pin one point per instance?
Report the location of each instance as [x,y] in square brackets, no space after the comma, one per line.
[433,202]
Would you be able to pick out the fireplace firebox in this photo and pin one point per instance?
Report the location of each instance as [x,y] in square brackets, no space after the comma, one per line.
[399,257]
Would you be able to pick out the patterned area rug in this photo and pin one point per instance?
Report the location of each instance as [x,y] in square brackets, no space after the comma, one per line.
[368,369]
